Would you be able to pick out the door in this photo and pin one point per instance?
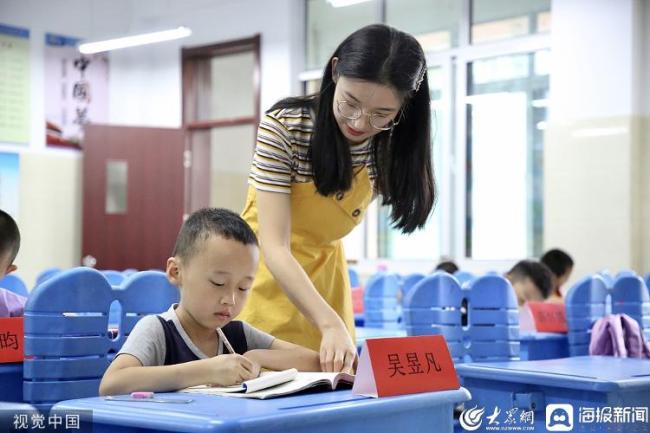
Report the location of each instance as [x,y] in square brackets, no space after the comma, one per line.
[132,196]
[221,113]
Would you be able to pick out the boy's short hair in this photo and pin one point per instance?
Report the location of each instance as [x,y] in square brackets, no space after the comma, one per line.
[209,222]
[9,236]
[558,261]
[538,272]
[447,266]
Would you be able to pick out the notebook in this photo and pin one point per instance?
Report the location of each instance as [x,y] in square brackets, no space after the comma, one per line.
[276,383]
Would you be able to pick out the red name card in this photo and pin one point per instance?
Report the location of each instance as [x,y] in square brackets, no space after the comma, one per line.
[404,365]
[11,339]
[548,316]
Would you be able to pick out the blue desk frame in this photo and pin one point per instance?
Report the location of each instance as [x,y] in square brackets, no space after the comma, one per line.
[11,382]
[317,412]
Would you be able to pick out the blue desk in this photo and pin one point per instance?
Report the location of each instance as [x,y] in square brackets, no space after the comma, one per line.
[319,412]
[11,382]
[543,345]
[359,319]
[363,334]
[582,382]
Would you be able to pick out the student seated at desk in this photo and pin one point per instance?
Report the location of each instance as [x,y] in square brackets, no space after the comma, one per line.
[213,264]
[532,281]
[11,304]
[561,264]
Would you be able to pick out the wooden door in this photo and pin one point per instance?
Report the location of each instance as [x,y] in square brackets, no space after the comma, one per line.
[132,196]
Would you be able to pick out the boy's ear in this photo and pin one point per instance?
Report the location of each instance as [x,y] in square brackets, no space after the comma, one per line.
[11,268]
[174,271]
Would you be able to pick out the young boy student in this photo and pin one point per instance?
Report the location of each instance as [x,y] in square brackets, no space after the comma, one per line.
[11,304]
[531,280]
[198,341]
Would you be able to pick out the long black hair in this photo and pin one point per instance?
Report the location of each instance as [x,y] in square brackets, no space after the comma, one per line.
[382,55]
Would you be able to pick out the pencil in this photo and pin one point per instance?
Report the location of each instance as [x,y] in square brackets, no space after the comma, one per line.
[225,341]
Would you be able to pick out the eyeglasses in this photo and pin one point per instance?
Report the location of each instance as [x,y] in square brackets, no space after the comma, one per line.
[378,121]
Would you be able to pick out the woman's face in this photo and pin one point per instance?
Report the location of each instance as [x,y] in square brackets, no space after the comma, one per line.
[378,101]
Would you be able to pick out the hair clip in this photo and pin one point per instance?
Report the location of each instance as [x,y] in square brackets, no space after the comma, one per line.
[421,78]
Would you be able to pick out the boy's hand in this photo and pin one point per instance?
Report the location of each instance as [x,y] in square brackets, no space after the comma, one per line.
[227,370]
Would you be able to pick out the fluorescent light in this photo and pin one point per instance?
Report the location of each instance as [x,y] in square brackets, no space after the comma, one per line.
[132,41]
[343,3]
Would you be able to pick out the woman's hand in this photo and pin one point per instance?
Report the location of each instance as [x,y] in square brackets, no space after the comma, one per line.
[337,350]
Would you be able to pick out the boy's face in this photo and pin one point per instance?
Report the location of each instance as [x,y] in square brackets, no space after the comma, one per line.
[526,290]
[215,281]
[6,265]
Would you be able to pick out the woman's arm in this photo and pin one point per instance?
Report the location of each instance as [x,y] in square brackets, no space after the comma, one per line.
[337,350]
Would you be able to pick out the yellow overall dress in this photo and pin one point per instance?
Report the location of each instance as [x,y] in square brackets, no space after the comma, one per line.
[318,224]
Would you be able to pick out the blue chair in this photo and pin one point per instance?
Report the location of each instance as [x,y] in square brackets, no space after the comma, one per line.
[630,296]
[647,280]
[607,277]
[409,282]
[493,319]
[464,277]
[14,284]
[380,306]
[354,277]
[66,342]
[585,303]
[433,307]
[46,275]
[115,278]
[147,292]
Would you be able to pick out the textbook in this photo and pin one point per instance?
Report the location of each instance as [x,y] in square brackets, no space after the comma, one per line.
[276,383]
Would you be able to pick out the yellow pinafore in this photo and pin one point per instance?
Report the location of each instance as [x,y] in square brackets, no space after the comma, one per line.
[318,224]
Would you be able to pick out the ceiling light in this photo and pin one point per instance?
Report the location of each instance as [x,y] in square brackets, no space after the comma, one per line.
[132,41]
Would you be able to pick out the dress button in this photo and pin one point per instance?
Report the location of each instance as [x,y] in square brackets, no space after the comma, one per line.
[356,213]
[339,196]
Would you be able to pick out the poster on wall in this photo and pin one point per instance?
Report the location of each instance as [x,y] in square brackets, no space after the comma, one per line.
[76,90]
[9,164]
[14,85]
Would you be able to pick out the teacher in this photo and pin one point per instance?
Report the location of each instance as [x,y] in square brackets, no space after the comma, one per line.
[318,163]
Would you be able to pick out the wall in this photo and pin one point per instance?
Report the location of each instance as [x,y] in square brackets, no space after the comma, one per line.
[144,89]
[594,149]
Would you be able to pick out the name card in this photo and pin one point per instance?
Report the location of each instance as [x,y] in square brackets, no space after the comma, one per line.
[548,316]
[11,340]
[404,365]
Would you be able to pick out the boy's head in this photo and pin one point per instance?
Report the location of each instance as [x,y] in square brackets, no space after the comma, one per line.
[213,264]
[9,243]
[561,264]
[532,281]
[447,266]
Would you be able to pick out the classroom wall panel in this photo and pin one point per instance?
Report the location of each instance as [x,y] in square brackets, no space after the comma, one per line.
[50,212]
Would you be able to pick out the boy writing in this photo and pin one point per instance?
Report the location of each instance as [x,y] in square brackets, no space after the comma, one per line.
[11,304]
[213,265]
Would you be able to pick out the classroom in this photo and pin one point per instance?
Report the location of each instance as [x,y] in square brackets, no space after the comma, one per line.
[325,215]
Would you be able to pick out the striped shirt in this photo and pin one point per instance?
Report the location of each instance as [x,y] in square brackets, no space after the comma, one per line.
[282,151]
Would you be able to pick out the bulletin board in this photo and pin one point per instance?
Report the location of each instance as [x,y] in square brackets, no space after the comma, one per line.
[14,85]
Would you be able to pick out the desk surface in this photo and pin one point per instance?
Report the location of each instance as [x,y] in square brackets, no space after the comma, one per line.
[544,336]
[593,373]
[319,411]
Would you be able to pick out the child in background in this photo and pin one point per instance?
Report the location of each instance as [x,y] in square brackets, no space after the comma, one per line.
[561,264]
[197,341]
[11,304]
[532,281]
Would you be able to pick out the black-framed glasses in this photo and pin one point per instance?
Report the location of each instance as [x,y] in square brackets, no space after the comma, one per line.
[378,121]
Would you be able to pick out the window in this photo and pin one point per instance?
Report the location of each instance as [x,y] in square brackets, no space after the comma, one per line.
[434,23]
[488,76]
[506,111]
[327,26]
[494,20]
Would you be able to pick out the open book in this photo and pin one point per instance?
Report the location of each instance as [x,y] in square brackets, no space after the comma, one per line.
[276,383]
